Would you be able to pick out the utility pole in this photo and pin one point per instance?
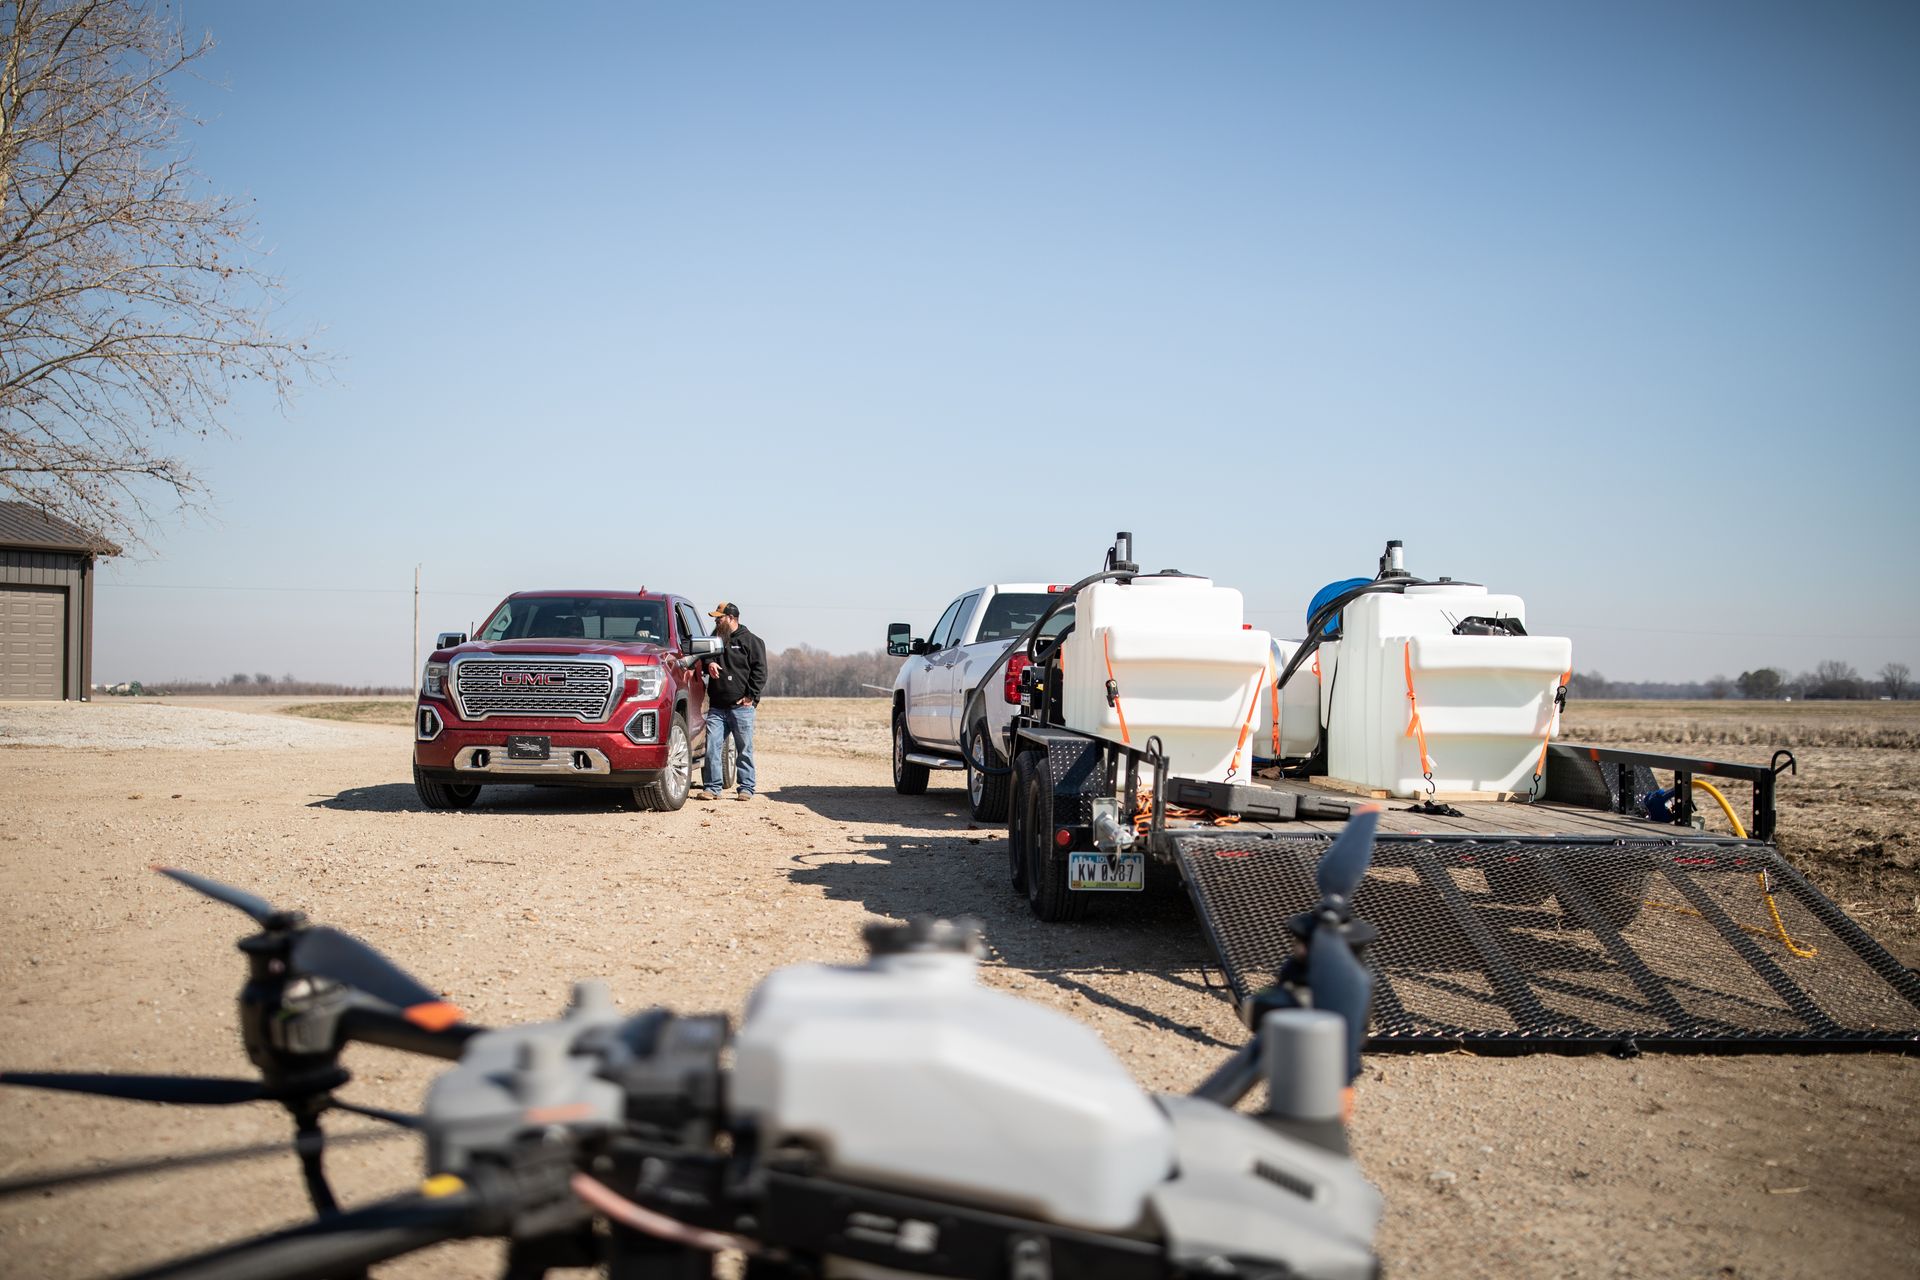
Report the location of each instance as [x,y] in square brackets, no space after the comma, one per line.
[416,624]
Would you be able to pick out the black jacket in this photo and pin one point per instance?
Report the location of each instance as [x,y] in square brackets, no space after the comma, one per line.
[743,671]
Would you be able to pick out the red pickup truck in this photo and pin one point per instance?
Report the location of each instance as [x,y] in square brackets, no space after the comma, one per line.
[578,688]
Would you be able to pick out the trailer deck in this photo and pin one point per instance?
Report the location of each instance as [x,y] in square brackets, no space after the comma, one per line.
[1570,924]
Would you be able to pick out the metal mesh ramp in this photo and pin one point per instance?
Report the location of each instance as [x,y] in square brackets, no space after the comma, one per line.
[1559,945]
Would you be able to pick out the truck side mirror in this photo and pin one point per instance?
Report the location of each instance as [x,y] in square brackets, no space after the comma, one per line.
[449,639]
[705,646]
[900,641]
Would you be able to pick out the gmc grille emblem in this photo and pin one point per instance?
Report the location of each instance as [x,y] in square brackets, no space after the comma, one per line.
[532,677]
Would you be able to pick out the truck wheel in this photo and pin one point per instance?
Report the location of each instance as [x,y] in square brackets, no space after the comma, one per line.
[730,766]
[909,779]
[1047,891]
[443,795]
[669,791]
[1025,777]
[986,792]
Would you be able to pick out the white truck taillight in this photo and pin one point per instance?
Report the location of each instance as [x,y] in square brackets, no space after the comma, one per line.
[1015,665]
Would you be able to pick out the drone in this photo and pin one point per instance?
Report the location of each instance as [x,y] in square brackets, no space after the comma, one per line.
[893,1118]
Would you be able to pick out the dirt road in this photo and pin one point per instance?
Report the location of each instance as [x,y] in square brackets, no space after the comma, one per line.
[1577,1167]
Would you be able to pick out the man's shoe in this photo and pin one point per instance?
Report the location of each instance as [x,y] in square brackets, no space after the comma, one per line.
[743,795]
[704,794]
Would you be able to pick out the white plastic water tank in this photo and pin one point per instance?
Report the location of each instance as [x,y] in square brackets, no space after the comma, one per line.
[1299,704]
[1189,670]
[1486,702]
[905,1071]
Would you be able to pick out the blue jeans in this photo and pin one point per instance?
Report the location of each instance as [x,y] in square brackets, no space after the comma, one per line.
[737,721]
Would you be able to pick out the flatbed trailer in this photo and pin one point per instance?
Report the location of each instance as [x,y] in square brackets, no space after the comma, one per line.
[1567,922]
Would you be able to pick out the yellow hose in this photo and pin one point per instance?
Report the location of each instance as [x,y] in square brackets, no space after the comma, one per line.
[1732,817]
[1805,953]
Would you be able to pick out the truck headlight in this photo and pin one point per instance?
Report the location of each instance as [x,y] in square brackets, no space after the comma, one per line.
[643,683]
[434,683]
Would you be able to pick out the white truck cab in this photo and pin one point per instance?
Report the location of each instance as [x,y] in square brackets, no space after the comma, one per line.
[932,728]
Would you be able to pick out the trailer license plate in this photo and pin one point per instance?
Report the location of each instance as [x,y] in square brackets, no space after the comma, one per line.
[528,746]
[1109,871]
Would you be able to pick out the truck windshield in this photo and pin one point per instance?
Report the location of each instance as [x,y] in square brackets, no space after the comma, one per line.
[578,618]
[1012,612]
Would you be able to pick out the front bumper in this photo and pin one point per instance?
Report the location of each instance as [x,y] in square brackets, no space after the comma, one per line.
[465,753]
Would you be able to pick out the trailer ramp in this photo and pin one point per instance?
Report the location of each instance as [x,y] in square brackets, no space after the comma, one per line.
[1528,945]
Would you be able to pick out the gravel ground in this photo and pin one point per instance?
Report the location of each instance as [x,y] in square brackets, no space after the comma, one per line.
[1749,1167]
[163,726]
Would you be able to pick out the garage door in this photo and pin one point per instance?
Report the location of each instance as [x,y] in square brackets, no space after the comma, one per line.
[33,641]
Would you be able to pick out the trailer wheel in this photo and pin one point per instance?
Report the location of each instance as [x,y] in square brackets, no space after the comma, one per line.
[443,795]
[1026,771]
[986,792]
[1047,891]
[909,779]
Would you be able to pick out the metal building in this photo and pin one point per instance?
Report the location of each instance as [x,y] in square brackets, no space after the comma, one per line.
[46,604]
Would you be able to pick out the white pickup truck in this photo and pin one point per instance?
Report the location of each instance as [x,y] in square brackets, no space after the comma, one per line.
[931,691]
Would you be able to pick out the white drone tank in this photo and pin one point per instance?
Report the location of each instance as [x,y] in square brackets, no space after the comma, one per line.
[1188,669]
[1486,702]
[906,1072]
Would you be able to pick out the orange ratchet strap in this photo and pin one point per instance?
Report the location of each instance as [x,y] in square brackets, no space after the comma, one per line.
[1546,736]
[1414,728]
[1113,688]
[1246,727]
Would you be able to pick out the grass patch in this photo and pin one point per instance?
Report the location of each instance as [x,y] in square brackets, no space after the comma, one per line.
[384,711]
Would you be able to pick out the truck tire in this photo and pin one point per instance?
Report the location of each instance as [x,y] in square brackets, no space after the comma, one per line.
[1047,891]
[909,779]
[986,792]
[1026,770]
[669,791]
[730,766]
[443,795]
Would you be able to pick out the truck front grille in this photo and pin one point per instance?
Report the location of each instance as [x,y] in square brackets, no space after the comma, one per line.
[535,687]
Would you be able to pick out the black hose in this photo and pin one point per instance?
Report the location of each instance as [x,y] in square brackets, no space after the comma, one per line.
[1316,624]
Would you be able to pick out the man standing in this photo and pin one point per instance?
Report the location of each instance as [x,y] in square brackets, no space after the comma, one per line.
[734,682]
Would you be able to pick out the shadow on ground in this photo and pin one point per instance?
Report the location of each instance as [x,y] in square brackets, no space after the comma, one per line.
[965,873]
[400,797]
[945,805]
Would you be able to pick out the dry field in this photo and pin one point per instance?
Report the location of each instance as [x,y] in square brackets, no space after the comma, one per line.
[1850,817]
[1746,1167]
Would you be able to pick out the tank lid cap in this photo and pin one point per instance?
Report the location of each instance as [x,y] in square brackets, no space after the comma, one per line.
[924,934]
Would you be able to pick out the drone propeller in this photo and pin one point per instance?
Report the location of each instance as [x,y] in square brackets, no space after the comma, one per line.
[326,952]
[259,908]
[1339,982]
[197,1091]
[322,951]
[1344,865]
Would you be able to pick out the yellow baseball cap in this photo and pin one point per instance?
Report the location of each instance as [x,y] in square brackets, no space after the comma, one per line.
[725,609]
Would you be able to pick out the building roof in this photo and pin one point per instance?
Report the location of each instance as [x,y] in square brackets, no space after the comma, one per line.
[24,525]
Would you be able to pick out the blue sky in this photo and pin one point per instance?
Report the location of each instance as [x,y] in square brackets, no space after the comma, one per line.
[836,309]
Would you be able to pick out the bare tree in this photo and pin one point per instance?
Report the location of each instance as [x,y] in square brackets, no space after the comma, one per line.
[1834,679]
[1719,687]
[1895,679]
[131,295]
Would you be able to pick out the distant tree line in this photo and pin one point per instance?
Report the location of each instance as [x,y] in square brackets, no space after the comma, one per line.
[799,672]
[1829,681]
[259,685]
[806,672]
